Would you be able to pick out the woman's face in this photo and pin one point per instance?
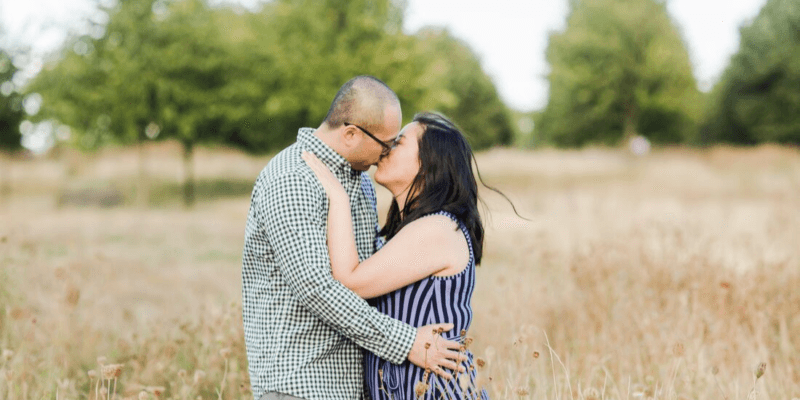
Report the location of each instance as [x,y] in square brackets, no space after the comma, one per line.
[397,170]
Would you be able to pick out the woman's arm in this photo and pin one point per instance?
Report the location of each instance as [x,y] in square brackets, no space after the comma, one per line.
[423,248]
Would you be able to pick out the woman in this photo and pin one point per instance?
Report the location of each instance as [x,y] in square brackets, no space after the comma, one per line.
[425,273]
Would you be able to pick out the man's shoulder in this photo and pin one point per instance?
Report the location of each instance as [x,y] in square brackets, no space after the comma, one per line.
[285,161]
[287,171]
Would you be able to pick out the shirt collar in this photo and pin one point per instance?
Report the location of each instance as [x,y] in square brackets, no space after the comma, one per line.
[334,160]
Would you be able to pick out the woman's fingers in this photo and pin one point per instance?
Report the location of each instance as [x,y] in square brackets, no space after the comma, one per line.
[451,359]
[317,167]
[451,365]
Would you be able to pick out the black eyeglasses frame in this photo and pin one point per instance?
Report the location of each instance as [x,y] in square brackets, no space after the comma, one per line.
[387,147]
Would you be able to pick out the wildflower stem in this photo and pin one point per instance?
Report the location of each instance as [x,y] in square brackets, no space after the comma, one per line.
[566,374]
[222,384]
[724,396]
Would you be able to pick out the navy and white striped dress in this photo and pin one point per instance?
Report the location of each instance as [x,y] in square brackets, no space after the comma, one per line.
[429,301]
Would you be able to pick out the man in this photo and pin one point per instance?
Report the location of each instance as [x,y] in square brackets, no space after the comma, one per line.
[303,329]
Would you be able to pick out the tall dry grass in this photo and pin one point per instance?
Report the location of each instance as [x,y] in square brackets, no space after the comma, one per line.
[671,276]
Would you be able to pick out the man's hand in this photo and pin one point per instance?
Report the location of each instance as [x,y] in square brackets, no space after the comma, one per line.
[431,351]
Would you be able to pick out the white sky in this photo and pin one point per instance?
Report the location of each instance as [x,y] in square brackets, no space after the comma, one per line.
[509,36]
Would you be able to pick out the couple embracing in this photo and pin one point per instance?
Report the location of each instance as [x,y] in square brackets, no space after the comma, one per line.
[335,307]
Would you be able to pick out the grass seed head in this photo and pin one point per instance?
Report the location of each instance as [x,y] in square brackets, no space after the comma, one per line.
[92,374]
[199,375]
[762,367]
[7,354]
[225,353]
[420,388]
[591,394]
[155,390]
[101,360]
[112,371]
[522,392]
[72,296]
[678,349]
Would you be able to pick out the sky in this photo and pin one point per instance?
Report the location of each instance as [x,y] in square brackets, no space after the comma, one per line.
[509,36]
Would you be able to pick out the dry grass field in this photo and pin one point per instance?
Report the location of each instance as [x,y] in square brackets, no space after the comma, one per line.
[670,276]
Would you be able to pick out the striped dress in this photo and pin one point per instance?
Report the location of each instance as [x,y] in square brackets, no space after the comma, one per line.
[429,301]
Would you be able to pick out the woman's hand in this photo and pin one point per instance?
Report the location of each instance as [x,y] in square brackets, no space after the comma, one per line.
[333,188]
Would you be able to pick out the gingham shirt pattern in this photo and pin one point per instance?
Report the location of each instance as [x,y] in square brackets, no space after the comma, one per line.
[302,327]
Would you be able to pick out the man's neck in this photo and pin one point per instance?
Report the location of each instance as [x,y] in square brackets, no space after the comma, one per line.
[329,137]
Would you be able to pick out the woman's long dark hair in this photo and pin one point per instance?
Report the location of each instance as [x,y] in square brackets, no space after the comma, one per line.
[445,181]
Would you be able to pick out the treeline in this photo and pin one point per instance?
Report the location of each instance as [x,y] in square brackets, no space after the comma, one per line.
[621,68]
[187,71]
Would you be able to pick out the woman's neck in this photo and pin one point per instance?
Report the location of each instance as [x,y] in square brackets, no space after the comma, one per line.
[401,198]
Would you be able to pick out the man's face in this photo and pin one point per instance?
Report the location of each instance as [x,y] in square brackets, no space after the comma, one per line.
[369,151]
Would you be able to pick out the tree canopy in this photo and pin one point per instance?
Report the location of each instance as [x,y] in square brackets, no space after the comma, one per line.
[758,98]
[250,79]
[619,68]
[187,71]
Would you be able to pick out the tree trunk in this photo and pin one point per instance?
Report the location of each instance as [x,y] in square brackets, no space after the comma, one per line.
[143,184]
[629,122]
[188,174]
[5,180]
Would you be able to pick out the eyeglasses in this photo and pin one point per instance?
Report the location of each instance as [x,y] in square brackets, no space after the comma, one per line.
[387,146]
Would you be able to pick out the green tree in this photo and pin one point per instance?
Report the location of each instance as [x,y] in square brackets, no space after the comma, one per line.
[302,51]
[198,74]
[196,83]
[463,91]
[11,112]
[619,68]
[758,97]
[105,88]
[307,49]
[11,115]
[160,69]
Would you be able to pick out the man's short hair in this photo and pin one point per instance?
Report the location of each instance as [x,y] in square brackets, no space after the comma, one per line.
[361,101]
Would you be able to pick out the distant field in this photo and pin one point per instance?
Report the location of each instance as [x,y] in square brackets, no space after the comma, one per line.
[669,276]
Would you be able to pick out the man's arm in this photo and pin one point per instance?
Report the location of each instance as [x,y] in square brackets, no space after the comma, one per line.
[289,208]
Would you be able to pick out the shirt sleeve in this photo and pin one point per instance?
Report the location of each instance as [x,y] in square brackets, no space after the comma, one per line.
[292,209]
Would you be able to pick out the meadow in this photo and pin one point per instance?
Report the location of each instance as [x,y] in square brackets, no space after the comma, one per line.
[668,276]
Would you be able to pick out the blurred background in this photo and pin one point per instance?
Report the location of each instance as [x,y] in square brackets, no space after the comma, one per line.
[652,144]
[88,75]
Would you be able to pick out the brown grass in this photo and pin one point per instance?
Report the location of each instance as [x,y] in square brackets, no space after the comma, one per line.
[635,278]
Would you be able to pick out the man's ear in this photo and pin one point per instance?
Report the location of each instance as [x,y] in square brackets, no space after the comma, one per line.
[350,136]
